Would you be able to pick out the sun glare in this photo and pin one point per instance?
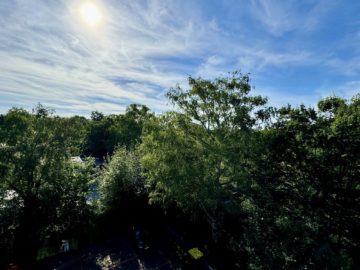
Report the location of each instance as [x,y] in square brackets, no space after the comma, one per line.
[90,14]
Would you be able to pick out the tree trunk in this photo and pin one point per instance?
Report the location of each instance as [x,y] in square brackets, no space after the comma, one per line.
[26,242]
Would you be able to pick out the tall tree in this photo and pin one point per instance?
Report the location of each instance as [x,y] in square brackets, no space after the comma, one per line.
[307,201]
[35,168]
[122,186]
[126,129]
[200,157]
[108,132]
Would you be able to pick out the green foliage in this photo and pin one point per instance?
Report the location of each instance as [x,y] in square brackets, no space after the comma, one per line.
[175,164]
[275,188]
[308,203]
[283,194]
[95,142]
[200,159]
[77,129]
[224,103]
[97,116]
[126,129]
[35,167]
[122,183]
[331,104]
[108,132]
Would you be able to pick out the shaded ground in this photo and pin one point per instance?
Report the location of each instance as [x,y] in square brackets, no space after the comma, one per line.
[122,252]
[117,253]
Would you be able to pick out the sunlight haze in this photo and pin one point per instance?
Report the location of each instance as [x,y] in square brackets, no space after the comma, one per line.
[90,14]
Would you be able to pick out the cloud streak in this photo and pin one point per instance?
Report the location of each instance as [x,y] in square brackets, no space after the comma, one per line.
[145,47]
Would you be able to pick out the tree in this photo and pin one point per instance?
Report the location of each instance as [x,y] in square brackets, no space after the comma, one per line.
[77,128]
[200,158]
[97,116]
[108,132]
[96,138]
[123,195]
[122,179]
[175,163]
[126,129]
[307,194]
[220,105]
[49,191]
[282,193]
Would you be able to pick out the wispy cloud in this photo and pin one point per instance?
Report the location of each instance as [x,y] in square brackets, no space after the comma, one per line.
[142,48]
[60,60]
[347,90]
[280,18]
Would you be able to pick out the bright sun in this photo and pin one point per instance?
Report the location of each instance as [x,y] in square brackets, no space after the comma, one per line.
[90,14]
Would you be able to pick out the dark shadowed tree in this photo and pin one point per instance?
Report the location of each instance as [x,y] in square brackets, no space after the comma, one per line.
[48,191]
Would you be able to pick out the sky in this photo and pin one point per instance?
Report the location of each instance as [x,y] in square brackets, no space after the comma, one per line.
[134,51]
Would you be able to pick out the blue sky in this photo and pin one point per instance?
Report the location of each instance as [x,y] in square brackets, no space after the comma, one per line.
[296,51]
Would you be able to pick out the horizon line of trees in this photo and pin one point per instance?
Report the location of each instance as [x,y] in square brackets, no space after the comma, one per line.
[269,188]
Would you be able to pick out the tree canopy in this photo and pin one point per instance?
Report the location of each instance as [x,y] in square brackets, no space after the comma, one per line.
[260,187]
